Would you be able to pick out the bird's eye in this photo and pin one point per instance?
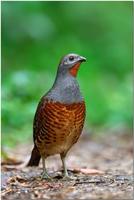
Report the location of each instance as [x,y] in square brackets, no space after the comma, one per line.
[71,58]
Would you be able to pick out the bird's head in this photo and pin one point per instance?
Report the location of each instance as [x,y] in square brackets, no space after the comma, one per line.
[71,63]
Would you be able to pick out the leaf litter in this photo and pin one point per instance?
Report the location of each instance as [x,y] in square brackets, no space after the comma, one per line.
[100,170]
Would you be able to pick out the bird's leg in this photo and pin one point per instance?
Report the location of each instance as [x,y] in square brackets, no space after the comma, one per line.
[44,174]
[65,172]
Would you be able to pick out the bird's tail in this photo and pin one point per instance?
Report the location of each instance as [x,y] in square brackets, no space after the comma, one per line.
[35,158]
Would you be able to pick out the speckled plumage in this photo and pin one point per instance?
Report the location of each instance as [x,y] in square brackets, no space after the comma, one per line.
[60,114]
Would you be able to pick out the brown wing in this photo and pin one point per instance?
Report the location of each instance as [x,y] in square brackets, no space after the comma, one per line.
[39,116]
[57,124]
[50,118]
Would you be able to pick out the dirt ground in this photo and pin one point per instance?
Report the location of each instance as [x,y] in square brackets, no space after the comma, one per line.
[109,154]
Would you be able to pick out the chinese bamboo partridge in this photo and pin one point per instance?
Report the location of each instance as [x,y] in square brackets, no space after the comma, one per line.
[60,115]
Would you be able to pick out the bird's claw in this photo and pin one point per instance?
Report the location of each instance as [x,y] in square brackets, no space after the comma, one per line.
[68,178]
[45,176]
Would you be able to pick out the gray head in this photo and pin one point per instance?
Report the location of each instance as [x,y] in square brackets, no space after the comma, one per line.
[70,63]
[66,88]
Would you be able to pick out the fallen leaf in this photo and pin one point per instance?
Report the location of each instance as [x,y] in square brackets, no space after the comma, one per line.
[87,171]
[16,179]
[11,161]
[5,192]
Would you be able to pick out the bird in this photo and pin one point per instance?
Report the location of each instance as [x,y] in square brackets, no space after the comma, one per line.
[60,115]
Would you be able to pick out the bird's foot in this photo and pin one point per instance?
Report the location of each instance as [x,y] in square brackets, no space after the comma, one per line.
[45,176]
[66,177]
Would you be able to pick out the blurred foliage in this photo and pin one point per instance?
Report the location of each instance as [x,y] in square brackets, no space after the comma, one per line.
[34,37]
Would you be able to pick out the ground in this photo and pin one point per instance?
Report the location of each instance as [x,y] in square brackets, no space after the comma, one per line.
[109,154]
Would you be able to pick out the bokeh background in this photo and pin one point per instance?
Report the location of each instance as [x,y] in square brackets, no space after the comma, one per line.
[35,35]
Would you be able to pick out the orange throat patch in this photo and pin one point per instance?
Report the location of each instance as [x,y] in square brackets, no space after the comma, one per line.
[73,71]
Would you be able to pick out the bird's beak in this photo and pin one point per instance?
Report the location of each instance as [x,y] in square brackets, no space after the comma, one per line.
[82,59]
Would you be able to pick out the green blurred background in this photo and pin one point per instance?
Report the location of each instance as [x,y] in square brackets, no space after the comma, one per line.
[35,35]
